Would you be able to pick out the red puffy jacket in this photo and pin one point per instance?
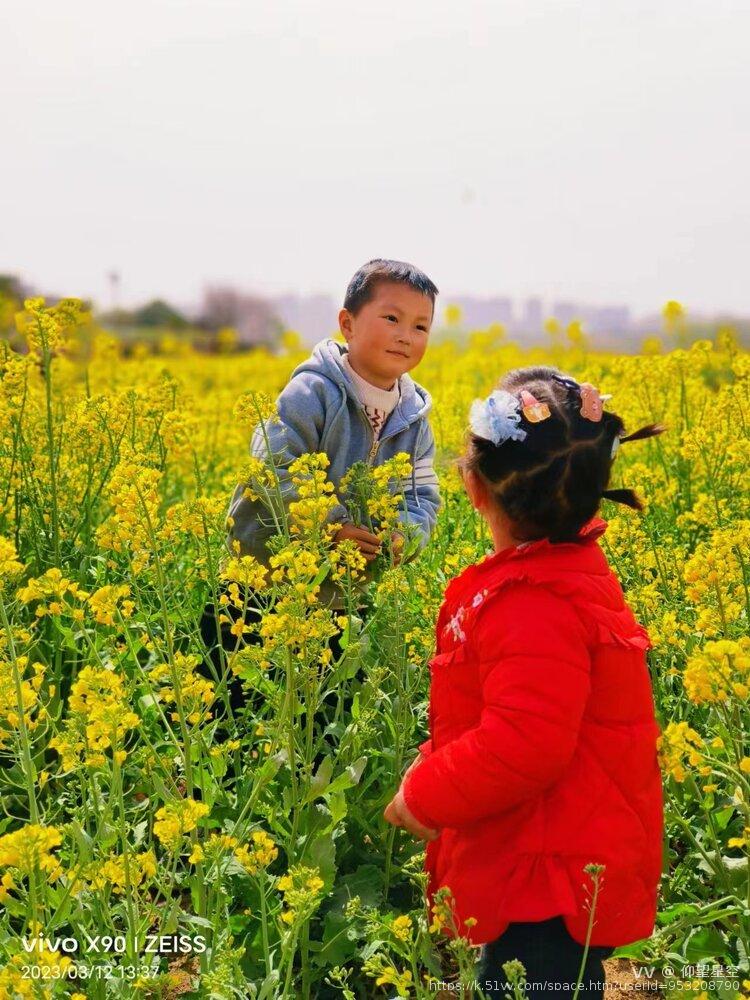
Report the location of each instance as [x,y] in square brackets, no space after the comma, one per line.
[542,755]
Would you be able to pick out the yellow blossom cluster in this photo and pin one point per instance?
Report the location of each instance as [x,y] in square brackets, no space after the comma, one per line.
[347,561]
[718,670]
[677,744]
[10,565]
[297,567]
[385,973]
[99,718]
[53,592]
[243,571]
[301,634]
[310,515]
[110,601]
[200,517]
[258,854]
[178,429]
[716,576]
[14,686]
[254,407]
[383,506]
[401,927]
[30,848]
[302,889]
[47,328]
[133,492]
[176,819]
[115,873]
[191,693]
[254,857]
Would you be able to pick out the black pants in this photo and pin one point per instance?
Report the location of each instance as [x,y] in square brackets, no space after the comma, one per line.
[550,956]
[215,641]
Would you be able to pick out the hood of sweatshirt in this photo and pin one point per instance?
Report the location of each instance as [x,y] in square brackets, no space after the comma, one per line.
[327,360]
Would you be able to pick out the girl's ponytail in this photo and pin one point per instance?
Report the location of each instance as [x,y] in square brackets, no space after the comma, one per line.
[627,497]
[650,430]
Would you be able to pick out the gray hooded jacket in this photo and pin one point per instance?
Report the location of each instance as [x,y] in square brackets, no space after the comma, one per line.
[319,411]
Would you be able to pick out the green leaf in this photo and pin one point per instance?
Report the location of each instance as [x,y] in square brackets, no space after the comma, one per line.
[322,854]
[366,882]
[673,912]
[67,634]
[84,841]
[337,805]
[635,950]
[193,918]
[349,777]
[722,816]
[321,780]
[269,988]
[139,832]
[341,936]
[705,942]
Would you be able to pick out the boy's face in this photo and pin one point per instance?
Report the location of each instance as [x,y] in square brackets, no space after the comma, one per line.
[388,336]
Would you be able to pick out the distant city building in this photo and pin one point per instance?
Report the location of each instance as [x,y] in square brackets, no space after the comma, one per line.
[533,316]
[609,319]
[315,317]
[480,313]
[566,312]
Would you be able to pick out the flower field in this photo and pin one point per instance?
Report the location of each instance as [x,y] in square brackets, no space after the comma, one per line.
[152,843]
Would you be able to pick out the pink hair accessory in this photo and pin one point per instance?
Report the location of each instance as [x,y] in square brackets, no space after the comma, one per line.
[532,409]
[592,407]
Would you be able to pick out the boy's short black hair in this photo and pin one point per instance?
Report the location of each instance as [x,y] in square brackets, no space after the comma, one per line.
[362,286]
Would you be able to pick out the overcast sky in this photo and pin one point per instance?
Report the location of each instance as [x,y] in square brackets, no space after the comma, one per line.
[596,150]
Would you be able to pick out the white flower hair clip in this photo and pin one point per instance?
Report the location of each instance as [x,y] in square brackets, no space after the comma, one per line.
[497,418]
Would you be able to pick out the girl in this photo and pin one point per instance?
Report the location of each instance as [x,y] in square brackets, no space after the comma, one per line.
[542,758]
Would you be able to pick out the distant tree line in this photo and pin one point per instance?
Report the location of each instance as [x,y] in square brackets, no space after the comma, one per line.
[225,315]
[222,308]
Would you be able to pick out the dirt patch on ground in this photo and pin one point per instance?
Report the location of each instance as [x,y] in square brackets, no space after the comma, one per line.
[623,982]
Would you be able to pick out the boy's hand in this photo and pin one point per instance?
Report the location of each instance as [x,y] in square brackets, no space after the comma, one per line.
[369,544]
[398,813]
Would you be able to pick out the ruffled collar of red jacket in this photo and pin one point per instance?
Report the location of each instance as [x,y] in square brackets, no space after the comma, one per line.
[577,570]
[587,535]
[592,530]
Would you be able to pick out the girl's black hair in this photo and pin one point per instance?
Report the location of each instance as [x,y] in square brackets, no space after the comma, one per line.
[551,483]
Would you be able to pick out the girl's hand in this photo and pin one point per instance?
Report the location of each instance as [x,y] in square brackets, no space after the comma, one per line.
[398,813]
[411,766]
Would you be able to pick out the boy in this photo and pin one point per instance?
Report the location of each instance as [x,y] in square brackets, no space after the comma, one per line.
[355,403]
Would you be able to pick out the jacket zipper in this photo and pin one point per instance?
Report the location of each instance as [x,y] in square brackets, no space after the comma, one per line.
[375,444]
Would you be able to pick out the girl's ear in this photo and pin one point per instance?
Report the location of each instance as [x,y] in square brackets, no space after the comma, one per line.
[475,489]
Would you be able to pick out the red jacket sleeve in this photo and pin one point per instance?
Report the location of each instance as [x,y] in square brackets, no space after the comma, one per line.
[534,667]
